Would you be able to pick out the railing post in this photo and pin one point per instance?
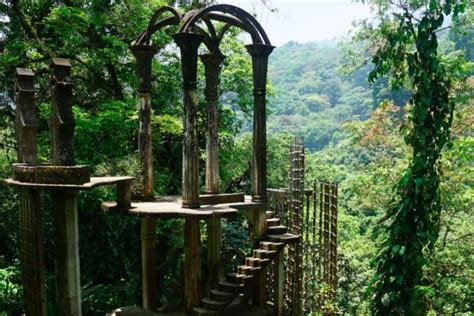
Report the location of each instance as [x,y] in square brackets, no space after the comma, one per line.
[296,207]
[333,252]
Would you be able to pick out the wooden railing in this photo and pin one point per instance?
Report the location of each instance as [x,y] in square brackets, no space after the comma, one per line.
[311,264]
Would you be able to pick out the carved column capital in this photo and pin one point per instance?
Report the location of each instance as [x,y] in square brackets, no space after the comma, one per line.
[62,121]
[144,55]
[189,44]
[26,116]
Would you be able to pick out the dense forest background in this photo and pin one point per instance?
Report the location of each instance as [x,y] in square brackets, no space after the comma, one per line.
[318,90]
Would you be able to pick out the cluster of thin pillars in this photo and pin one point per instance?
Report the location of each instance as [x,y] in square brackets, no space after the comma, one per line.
[311,213]
[64,201]
[189,44]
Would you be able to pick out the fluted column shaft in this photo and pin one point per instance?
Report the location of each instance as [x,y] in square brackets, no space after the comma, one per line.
[259,53]
[144,55]
[212,65]
[189,44]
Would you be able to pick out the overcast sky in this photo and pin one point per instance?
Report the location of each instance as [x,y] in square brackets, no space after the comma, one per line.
[304,20]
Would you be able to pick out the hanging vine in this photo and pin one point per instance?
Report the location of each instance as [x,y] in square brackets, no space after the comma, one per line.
[407,48]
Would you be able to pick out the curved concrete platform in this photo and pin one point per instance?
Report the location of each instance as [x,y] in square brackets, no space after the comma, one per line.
[171,207]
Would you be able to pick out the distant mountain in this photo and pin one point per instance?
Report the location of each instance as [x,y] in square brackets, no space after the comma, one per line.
[312,98]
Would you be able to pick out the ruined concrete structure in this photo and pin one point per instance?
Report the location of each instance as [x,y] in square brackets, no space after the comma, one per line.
[249,285]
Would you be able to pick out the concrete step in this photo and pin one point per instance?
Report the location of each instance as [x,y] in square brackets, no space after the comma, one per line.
[284,238]
[214,305]
[198,311]
[248,270]
[264,254]
[256,262]
[222,296]
[277,230]
[227,286]
[270,214]
[273,222]
[269,245]
[238,278]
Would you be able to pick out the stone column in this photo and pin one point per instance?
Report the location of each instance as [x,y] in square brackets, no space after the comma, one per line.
[144,57]
[189,44]
[259,53]
[192,264]
[62,124]
[212,65]
[66,235]
[279,282]
[31,223]
[214,251]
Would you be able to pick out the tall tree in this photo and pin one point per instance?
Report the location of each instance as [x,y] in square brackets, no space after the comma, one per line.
[405,46]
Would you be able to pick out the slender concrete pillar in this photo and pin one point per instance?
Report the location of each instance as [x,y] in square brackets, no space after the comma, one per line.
[62,124]
[149,264]
[259,226]
[31,223]
[189,44]
[68,285]
[214,251]
[144,57]
[279,282]
[192,264]
[259,53]
[212,65]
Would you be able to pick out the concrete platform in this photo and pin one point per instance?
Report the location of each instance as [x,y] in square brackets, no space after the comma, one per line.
[170,207]
[235,310]
[93,183]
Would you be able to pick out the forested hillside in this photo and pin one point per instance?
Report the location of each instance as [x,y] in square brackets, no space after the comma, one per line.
[354,132]
[314,93]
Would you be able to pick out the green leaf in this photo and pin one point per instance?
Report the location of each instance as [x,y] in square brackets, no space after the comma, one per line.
[402,250]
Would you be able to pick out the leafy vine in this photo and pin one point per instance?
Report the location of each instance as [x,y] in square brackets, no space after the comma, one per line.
[407,49]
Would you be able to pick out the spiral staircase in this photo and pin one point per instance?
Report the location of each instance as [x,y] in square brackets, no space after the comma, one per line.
[237,286]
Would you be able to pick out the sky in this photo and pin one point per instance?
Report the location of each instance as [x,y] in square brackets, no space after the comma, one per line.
[304,20]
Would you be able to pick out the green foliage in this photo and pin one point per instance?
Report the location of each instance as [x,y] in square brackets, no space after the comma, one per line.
[315,97]
[315,94]
[10,290]
[408,50]
[95,36]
